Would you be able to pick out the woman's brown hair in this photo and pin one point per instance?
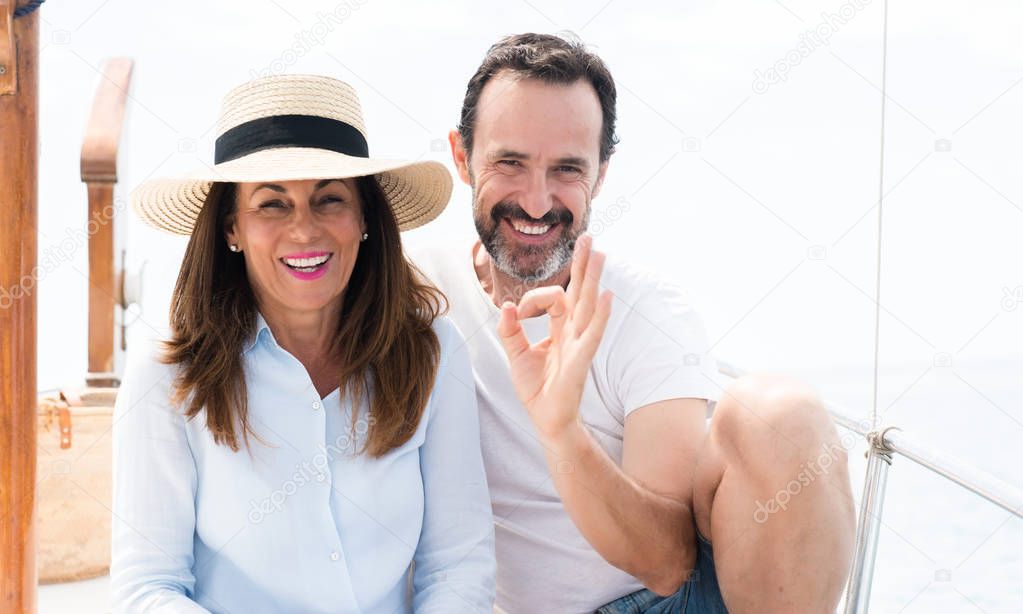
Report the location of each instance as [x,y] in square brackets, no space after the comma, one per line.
[384,337]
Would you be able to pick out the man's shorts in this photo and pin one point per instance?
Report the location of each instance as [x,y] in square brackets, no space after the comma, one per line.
[699,595]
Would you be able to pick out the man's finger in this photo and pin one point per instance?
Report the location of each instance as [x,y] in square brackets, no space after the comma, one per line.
[513,338]
[579,257]
[550,299]
[598,324]
[590,288]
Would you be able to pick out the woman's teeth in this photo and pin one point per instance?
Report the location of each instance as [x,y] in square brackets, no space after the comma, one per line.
[306,265]
[531,229]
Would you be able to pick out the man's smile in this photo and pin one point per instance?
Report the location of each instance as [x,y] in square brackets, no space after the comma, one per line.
[531,232]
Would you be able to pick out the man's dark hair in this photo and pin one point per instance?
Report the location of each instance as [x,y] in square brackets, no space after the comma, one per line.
[552,59]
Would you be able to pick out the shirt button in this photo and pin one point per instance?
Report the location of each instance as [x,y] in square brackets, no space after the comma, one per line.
[334,555]
[317,405]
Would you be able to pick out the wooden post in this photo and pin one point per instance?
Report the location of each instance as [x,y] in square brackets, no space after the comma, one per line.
[99,172]
[19,89]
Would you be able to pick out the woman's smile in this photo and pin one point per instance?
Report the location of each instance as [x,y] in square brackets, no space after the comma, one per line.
[307,266]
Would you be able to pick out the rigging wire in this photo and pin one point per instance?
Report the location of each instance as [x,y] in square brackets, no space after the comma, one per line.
[880,213]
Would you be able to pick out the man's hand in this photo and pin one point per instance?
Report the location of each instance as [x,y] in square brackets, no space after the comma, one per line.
[549,375]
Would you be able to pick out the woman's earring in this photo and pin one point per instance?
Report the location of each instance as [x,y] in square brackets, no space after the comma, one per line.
[365,236]
[233,247]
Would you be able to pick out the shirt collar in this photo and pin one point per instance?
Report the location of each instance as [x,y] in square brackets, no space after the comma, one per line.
[261,325]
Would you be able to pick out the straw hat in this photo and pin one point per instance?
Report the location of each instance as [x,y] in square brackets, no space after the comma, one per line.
[289,127]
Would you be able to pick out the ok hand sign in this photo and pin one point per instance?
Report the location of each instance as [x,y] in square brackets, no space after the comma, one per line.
[549,375]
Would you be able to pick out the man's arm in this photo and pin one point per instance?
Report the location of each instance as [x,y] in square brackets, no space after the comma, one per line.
[638,517]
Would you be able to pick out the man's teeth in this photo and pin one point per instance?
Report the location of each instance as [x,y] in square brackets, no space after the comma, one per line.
[531,229]
[306,265]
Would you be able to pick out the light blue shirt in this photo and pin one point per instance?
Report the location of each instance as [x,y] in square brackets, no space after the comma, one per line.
[300,522]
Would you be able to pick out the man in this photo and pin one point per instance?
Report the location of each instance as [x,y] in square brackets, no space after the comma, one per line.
[610,492]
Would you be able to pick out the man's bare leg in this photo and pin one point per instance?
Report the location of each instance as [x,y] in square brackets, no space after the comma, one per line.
[771,492]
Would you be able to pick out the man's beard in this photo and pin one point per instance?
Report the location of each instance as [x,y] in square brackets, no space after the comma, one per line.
[528,264]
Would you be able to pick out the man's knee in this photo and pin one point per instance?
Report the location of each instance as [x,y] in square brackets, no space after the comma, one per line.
[770,417]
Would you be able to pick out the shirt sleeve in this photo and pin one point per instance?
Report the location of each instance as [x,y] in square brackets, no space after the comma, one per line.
[154,486]
[454,562]
[661,352]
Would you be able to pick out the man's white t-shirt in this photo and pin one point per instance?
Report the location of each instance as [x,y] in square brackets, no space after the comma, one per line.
[655,348]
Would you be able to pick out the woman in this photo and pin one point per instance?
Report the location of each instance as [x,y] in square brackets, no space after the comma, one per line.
[309,432]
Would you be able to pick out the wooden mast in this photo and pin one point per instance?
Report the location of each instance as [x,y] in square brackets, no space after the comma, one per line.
[99,172]
[19,90]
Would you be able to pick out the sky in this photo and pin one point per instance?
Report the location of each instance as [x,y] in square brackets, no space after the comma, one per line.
[749,167]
